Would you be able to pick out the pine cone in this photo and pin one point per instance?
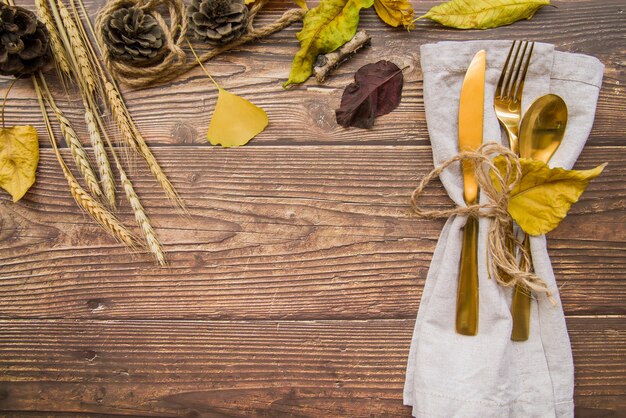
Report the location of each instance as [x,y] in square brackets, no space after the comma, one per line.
[133,36]
[217,21]
[24,41]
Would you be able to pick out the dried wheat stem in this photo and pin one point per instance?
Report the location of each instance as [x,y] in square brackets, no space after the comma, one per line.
[56,44]
[88,78]
[142,219]
[102,161]
[76,147]
[133,137]
[79,153]
[120,114]
[98,212]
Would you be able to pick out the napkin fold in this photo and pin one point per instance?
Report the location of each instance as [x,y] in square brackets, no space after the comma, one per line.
[488,375]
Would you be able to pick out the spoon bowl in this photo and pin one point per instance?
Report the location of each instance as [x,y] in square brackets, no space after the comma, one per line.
[543,127]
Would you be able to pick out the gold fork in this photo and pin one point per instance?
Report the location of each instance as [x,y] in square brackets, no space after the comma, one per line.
[507,103]
[508,97]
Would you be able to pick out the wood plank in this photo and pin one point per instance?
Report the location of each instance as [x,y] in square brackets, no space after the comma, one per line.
[275,233]
[260,368]
[305,115]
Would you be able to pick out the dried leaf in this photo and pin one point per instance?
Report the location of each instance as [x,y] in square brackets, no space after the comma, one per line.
[376,91]
[544,195]
[395,12]
[19,156]
[325,28]
[235,120]
[301,3]
[249,1]
[483,14]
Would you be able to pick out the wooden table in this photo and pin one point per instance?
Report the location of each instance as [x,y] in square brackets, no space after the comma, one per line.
[293,285]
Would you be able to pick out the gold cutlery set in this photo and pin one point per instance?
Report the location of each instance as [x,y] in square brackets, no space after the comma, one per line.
[537,135]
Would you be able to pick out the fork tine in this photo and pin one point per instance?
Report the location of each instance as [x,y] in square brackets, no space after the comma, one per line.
[515,69]
[504,71]
[520,88]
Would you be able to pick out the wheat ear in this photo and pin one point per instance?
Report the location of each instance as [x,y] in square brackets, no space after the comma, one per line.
[56,44]
[76,147]
[99,213]
[87,74]
[102,161]
[133,137]
[142,220]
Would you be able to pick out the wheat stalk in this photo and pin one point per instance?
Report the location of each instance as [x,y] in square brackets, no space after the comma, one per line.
[56,44]
[133,137]
[87,75]
[76,147]
[142,219]
[102,161]
[98,212]
[78,152]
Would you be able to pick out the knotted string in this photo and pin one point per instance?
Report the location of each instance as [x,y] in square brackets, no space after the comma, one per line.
[502,263]
[174,62]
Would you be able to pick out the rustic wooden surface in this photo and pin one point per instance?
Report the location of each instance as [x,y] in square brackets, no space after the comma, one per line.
[294,282]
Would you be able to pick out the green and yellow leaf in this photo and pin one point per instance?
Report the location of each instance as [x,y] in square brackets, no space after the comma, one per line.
[325,28]
[483,14]
[19,156]
[235,120]
[395,12]
[544,195]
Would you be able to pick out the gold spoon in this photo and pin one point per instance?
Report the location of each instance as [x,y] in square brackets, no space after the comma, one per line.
[541,133]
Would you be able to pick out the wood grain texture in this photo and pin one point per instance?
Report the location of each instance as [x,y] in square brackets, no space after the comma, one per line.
[306,114]
[238,368]
[294,282]
[289,232]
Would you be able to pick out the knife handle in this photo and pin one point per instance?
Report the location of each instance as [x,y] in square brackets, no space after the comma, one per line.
[520,306]
[467,294]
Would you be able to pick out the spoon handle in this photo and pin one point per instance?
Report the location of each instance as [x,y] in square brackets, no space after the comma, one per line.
[520,305]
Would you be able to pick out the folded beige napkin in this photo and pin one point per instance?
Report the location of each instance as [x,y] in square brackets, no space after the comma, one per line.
[488,375]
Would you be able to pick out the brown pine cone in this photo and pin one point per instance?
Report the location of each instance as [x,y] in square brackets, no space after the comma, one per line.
[217,21]
[133,36]
[24,41]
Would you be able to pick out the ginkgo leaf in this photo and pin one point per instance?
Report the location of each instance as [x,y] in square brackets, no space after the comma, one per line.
[395,12]
[19,156]
[325,28]
[235,120]
[483,14]
[544,195]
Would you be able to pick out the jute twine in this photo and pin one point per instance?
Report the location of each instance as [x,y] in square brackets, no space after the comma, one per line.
[175,62]
[502,263]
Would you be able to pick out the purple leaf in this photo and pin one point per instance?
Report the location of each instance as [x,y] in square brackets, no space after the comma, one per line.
[376,91]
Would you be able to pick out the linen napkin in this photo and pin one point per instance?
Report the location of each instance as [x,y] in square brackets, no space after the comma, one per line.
[488,375]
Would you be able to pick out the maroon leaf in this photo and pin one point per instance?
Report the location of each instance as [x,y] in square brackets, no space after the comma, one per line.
[376,91]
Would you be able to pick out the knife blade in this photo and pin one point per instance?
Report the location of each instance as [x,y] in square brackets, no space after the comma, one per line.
[471,108]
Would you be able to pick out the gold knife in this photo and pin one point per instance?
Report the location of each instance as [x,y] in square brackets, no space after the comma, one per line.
[470,139]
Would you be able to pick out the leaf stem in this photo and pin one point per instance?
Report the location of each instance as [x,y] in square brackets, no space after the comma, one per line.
[4,101]
[202,66]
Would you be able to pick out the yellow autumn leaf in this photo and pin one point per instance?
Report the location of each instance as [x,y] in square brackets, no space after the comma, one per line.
[249,1]
[395,12]
[235,120]
[302,4]
[544,195]
[483,14]
[19,156]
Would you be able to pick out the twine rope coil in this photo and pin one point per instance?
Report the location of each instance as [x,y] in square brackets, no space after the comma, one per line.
[502,263]
[175,62]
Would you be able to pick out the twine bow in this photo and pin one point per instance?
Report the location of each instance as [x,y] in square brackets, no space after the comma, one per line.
[502,263]
[174,62]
